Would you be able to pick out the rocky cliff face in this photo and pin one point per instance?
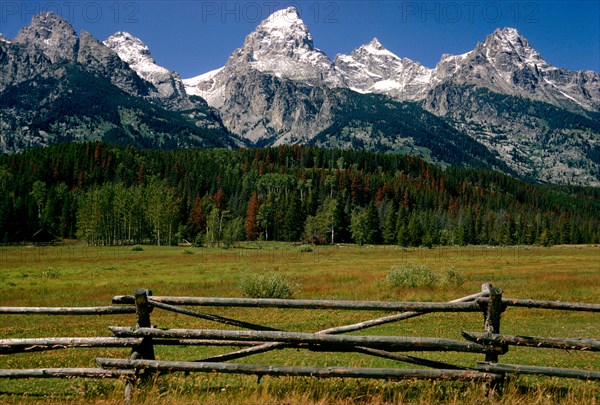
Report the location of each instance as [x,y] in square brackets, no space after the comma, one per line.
[105,63]
[51,36]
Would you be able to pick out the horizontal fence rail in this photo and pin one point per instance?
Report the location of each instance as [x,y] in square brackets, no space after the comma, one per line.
[328,372]
[311,304]
[537,370]
[592,345]
[555,305]
[399,343]
[110,310]
[66,373]
[42,344]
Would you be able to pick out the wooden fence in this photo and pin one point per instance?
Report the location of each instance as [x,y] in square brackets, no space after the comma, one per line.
[256,338]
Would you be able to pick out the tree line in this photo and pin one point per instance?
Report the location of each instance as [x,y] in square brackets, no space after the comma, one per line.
[109,195]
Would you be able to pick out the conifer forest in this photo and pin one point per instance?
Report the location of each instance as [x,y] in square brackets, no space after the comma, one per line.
[111,195]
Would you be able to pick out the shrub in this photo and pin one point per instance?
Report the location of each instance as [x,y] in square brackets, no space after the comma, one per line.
[411,276]
[137,248]
[199,241]
[50,272]
[268,286]
[453,278]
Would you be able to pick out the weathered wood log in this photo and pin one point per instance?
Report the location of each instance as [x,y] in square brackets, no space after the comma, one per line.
[559,305]
[547,371]
[592,345]
[398,343]
[204,342]
[41,344]
[320,372]
[65,373]
[215,318]
[336,330]
[312,304]
[110,310]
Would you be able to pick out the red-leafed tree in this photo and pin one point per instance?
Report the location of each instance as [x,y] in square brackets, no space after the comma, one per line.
[251,214]
[198,217]
[219,200]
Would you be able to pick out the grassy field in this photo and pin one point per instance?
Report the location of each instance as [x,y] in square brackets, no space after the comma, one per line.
[78,275]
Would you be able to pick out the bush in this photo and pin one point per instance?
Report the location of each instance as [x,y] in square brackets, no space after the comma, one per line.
[199,241]
[411,276]
[453,278]
[137,248]
[50,272]
[268,286]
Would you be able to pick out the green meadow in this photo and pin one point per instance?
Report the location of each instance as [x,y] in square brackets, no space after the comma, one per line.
[74,274]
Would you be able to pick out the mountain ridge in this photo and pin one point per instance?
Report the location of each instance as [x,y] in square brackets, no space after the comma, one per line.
[46,95]
[498,101]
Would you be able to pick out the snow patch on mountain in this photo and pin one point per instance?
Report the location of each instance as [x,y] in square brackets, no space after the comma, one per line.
[137,54]
[372,68]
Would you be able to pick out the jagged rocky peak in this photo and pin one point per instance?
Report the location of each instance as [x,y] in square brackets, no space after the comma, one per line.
[509,49]
[52,34]
[375,47]
[506,63]
[372,68]
[137,54]
[282,45]
[285,28]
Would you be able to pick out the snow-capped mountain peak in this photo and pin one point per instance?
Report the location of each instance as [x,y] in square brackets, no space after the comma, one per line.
[376,48]
[132,50]
[137,54]
[372,68]
[507,45]
[282,20]
[282,45]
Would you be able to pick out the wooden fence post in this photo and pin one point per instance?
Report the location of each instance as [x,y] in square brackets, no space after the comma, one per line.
[492,315]
[145,350]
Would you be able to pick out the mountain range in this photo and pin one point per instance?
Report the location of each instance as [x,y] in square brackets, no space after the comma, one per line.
[500,106]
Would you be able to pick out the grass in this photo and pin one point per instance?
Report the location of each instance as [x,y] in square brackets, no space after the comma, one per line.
[77,275]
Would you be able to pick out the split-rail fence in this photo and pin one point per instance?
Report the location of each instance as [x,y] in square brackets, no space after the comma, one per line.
[256,338]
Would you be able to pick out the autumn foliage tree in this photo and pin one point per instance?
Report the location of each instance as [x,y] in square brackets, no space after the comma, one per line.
[251,214]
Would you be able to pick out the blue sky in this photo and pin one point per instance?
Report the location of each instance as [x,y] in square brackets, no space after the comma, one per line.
[194,36]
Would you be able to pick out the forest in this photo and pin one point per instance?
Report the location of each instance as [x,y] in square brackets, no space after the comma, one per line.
[113,195]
